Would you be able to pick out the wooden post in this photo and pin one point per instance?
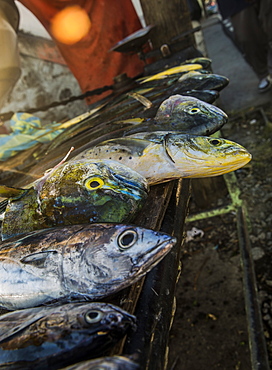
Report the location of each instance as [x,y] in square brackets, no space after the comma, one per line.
[171,18]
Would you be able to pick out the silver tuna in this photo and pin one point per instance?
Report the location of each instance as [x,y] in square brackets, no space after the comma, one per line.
[79,261]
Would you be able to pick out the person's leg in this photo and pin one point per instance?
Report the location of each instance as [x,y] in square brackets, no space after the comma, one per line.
[265,16]
[253,41]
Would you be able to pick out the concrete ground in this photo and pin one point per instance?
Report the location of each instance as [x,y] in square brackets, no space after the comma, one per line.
[228,61]
[210,328]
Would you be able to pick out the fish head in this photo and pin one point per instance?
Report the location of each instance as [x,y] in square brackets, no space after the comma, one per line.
[203,81]
[188,114]
[204,156]
[121,256]
[98,316]
[86,191]
[67,333]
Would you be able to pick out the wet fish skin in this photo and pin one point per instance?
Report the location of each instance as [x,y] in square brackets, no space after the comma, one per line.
[170,71]
[177,107]
[200,81]
[185,114]
[186,84]
[79,261]
[106,363]
[181,113]
[208,96]
[161,156]
[205,62]
[77,192]
[99,128]
[53,337]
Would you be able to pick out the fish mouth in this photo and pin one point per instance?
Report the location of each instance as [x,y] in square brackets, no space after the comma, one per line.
[220,82]
[147,260]
[221,115]
[233,164]
[237,156]
[213,81]
[119,320]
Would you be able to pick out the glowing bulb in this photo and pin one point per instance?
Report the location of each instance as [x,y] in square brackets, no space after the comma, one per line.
[70,25]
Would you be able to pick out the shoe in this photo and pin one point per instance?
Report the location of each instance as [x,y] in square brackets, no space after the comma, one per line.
[265,84]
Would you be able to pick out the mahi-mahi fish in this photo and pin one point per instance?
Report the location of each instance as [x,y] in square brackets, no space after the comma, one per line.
[184,114]
[78,261]
[75,192]
[57,336]
[162,156]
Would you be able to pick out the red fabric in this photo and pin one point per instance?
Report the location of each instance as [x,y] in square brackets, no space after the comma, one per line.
[89,59]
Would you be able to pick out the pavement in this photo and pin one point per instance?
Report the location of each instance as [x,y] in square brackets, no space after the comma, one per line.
[242,92]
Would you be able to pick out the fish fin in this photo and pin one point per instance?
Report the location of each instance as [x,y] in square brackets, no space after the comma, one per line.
[13,323]
[134,121]
[142,99]
[3,206]
[168,153]
[39,184]
[10,192]
[37,259]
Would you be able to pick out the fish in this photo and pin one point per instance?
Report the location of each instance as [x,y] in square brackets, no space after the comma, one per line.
[200,81]
[56,336]
[184,114]
[203,86]
[204,119]
[106,363]
[162,156]
[77,262]
[208,96]
[75,192]
[170,71]
[205,62]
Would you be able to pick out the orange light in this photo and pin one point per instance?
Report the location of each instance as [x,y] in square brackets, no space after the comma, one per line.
[70,25]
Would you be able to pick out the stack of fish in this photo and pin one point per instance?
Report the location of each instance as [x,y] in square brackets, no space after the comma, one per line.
[78,243]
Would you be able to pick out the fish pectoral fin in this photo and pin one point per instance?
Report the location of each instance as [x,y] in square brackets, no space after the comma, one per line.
[166,149]
[10,192]
[134,121]
[3,206]
[38,259]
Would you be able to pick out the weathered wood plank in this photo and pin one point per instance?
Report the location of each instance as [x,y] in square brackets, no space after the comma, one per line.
[171,18]
[155,308]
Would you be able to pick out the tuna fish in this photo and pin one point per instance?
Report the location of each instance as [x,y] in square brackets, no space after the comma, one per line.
[53,337]
[79,261]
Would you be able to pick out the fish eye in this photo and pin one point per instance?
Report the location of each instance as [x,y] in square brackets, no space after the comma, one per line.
[93,316]
[127,239]
[194,110]
[215,142]
[94,183]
